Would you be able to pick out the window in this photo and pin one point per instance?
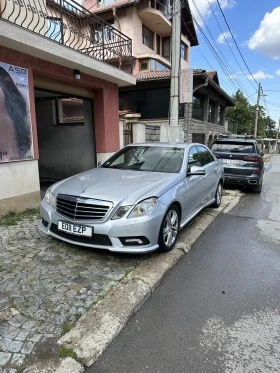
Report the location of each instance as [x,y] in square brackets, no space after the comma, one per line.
[70,110]
[193,158]
[147,37]
[233,147]
[158,44]
[166,47]
[157,66]
[197,108]
[148,158]
[204,156]
[55,29]
[184,52]
[212,112]
[103,32]
[105,2]
[69,4]
[144,65]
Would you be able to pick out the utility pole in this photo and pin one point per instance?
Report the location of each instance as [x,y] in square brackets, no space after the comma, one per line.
[175,64]
[257,111]
[277,135]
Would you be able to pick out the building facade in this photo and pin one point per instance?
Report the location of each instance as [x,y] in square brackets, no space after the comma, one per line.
[202,121]
[60,68]
[148,24]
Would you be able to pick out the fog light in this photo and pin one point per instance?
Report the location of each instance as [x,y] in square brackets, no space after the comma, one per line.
[45,223]
[134,241]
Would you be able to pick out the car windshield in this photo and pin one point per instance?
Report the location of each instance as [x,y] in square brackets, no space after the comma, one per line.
[147,158]
[233,147]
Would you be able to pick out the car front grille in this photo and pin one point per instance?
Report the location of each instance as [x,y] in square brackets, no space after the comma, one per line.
[96,239]
[80,208]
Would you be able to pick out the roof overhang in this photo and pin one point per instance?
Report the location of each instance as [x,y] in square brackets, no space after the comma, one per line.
[215,86]
[21,40]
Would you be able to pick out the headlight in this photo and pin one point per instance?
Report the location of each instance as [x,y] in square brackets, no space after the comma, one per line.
[143,208]
[121,212]
[50,198]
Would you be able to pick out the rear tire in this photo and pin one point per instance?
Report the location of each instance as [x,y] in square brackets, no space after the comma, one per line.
[218,196]
[169,229]
[256,188]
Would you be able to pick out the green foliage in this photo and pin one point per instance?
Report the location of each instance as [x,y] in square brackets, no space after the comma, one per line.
[67,352]
[244,115]
[13,218]
[67,326]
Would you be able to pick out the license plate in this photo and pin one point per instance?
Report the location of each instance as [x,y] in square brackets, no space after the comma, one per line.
[231,161]
[77,229]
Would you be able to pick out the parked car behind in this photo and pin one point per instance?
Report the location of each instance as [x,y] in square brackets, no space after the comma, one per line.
[242,160]
[137,200]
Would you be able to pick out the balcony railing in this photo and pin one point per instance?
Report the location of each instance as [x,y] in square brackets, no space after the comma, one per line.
[67,23]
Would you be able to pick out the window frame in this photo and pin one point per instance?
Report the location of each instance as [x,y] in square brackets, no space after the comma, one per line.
[147,37]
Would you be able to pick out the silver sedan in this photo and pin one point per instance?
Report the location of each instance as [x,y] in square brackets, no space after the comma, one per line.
[136,201]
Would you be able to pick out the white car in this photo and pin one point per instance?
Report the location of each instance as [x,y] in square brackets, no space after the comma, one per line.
[137,200]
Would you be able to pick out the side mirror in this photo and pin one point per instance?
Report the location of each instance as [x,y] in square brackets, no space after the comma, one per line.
[195,170]
[100,163]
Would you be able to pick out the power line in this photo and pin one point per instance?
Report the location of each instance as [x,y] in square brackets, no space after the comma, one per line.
[227,67]
[236,84]
[229,44]
[235,42]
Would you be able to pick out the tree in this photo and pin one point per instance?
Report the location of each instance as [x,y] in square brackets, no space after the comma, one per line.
[244,115]
[270,129]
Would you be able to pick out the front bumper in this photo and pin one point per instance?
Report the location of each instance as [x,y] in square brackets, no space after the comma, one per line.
[110,233]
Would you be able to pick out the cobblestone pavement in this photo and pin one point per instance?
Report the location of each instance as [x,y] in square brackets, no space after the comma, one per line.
[45,286]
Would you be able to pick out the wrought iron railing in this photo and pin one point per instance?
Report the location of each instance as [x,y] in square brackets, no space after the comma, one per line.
[68,23]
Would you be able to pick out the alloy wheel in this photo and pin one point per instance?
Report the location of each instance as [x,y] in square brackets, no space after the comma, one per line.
[170,228]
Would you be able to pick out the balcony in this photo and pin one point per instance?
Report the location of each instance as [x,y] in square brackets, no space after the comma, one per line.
[157,15]
[66,23]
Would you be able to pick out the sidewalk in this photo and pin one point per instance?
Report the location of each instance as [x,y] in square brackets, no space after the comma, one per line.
[61,305]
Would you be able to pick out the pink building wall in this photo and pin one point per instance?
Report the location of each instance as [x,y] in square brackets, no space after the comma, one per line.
[106,117]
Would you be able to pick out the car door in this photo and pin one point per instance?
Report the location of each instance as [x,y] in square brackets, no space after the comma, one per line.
[195,186]
[209,163]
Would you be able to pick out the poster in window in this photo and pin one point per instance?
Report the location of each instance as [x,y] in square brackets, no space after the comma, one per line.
[15,119]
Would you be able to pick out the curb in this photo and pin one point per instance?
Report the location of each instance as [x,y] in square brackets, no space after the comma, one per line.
[96,329]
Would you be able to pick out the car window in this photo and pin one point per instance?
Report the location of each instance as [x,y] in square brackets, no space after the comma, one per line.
[233,147]
[204,156]
[193,158]
[147,158]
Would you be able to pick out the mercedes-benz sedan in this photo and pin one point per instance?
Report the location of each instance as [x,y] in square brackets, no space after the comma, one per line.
[137,200]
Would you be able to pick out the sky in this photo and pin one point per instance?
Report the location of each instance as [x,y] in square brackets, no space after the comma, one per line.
[240,39]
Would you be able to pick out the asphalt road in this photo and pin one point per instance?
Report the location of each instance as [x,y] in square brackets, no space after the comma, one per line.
[219,309]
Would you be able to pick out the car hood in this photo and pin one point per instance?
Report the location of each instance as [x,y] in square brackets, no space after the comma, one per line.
[117,185]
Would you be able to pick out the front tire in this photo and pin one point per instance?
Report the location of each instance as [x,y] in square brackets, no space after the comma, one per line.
[169,229]
[218,196]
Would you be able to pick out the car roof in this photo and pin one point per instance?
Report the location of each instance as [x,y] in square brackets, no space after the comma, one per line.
[174,144]
[234,139]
